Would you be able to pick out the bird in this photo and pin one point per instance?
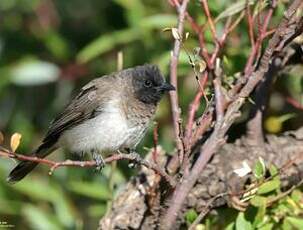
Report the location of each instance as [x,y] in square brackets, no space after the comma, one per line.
[109,114]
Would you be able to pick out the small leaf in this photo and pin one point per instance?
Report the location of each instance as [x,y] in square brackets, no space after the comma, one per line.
[235,8]
[242,223]
[35,72]
[191,215]
[258,201]
[200,227]
[269,186]
[175,33]
[186,35]
[273,170]
[202,66]
[106,43]
[1,137]
[296,195]
[251,100]
[15,141]
[259,169]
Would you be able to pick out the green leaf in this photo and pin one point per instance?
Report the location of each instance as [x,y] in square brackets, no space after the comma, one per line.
[159,21]
[258,201]
[296,195]
[39,190]
[191,215]
[92,190]
[269,186]
[273,170]
[242,223]
[107,42]
[39,219]
[268,226]
[135,10]
[97,210]
[286,225]
[36,190]
[57,45]
[295,222]
[234,9]
[259,169]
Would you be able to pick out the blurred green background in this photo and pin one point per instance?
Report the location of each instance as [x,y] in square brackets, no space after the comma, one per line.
[50,48]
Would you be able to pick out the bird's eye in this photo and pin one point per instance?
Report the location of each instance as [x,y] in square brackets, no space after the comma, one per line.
[148,83]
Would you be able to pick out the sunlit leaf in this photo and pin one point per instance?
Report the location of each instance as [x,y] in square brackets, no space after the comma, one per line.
[242,223]
[269,186]
[158,21]
[34,73]
[40,219]
[235,8]
[107,42]
[273,170]
[15,141]
[295,222]
[36,190]
[186,35]
[258,201]
[202,66]
[135,10]
[296,195]
[259,169]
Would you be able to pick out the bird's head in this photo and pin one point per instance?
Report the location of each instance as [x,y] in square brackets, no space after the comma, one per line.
[149,84]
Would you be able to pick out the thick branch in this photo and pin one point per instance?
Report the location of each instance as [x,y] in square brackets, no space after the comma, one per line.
[138,205]
[217,137]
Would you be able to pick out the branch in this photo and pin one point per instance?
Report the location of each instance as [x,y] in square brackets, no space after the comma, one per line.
[173,79]
[139,204]
[214,142]
[115,157]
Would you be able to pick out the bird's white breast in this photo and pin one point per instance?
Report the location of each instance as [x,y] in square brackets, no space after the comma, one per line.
[107,132]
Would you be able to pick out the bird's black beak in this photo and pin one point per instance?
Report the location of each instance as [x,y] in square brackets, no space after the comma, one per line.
[166,87]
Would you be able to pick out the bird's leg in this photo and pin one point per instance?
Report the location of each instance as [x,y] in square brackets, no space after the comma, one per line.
[98,159]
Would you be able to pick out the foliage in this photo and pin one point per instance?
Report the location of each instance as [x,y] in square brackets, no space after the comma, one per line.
[49,48]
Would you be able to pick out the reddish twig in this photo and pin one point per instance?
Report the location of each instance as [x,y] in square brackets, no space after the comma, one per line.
[173,80]
[294,103]
[256,46]
[209,19]
[115,157]
[250,22]
[216,139]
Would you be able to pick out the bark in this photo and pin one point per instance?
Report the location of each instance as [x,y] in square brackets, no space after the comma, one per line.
[139,205]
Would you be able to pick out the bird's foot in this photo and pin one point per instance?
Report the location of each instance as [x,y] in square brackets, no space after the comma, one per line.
[100,163]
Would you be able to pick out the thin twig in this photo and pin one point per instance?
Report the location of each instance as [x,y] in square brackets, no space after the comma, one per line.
[173,80]
[115,157]
[205,210]
[216,139]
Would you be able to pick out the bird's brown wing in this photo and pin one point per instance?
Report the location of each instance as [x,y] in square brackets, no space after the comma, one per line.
[86,105]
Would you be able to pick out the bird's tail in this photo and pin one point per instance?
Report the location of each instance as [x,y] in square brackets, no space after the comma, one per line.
[25,167]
